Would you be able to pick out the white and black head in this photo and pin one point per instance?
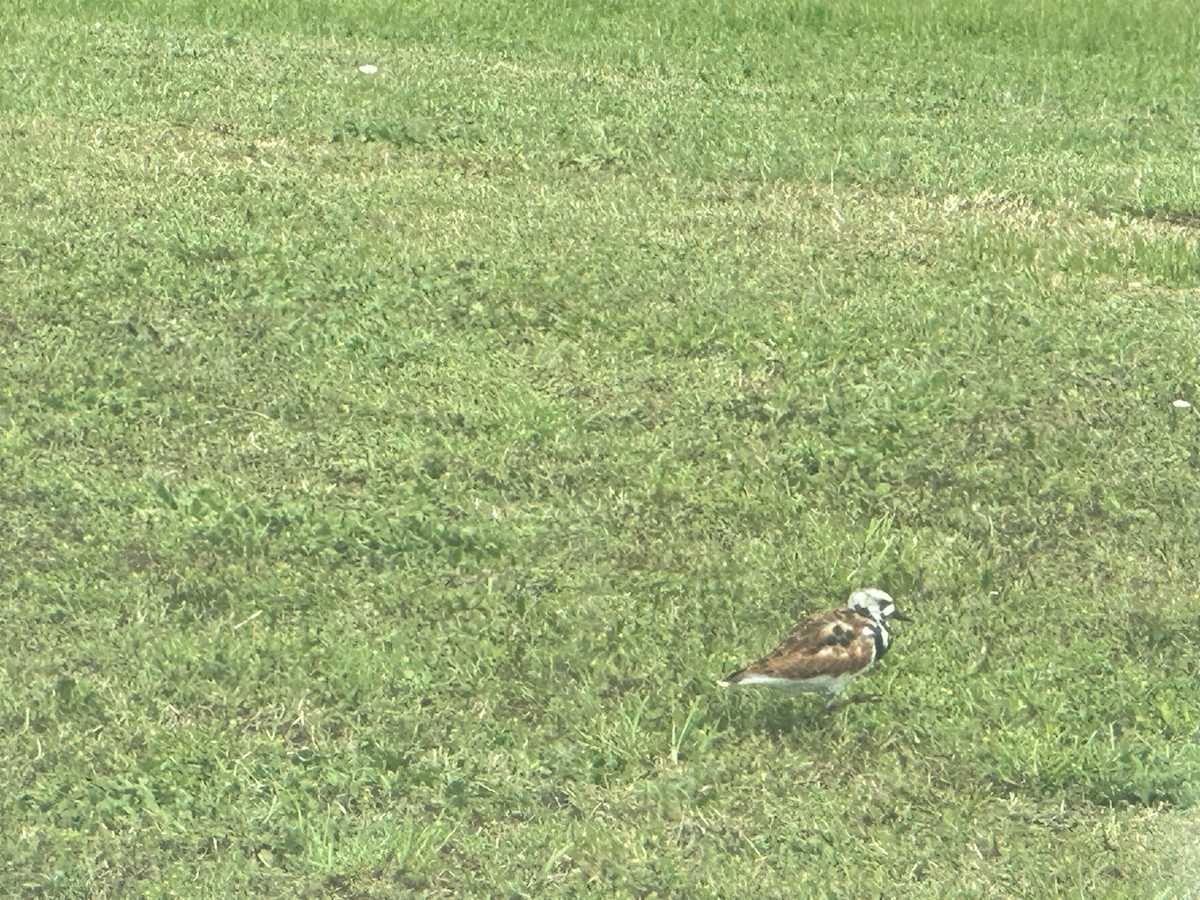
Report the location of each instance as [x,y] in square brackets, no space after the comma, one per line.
[874,604]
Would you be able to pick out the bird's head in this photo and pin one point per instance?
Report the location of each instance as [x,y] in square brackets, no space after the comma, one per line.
[875,604]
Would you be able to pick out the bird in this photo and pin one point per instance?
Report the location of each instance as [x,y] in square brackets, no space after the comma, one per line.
[825,652]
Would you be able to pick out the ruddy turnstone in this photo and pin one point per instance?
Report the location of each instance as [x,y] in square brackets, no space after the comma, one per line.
[825,652]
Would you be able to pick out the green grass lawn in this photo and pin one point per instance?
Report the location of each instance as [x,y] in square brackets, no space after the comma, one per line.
[391,463]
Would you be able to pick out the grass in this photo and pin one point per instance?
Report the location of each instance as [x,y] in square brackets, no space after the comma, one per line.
[392,463]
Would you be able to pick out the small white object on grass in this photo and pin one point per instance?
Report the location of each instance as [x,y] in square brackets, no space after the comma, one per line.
[368,69]
[1181,404]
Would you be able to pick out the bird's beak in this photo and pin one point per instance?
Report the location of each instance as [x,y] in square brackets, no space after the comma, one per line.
[901,616]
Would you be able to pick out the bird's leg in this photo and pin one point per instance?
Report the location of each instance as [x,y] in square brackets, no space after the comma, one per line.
[831,706]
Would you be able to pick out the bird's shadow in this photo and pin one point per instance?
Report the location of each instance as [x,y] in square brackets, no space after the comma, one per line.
[788,715]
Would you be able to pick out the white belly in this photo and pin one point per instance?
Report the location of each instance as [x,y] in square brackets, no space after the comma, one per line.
[829,685]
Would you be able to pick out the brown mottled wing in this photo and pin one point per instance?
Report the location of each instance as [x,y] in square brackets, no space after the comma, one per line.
[831,643]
